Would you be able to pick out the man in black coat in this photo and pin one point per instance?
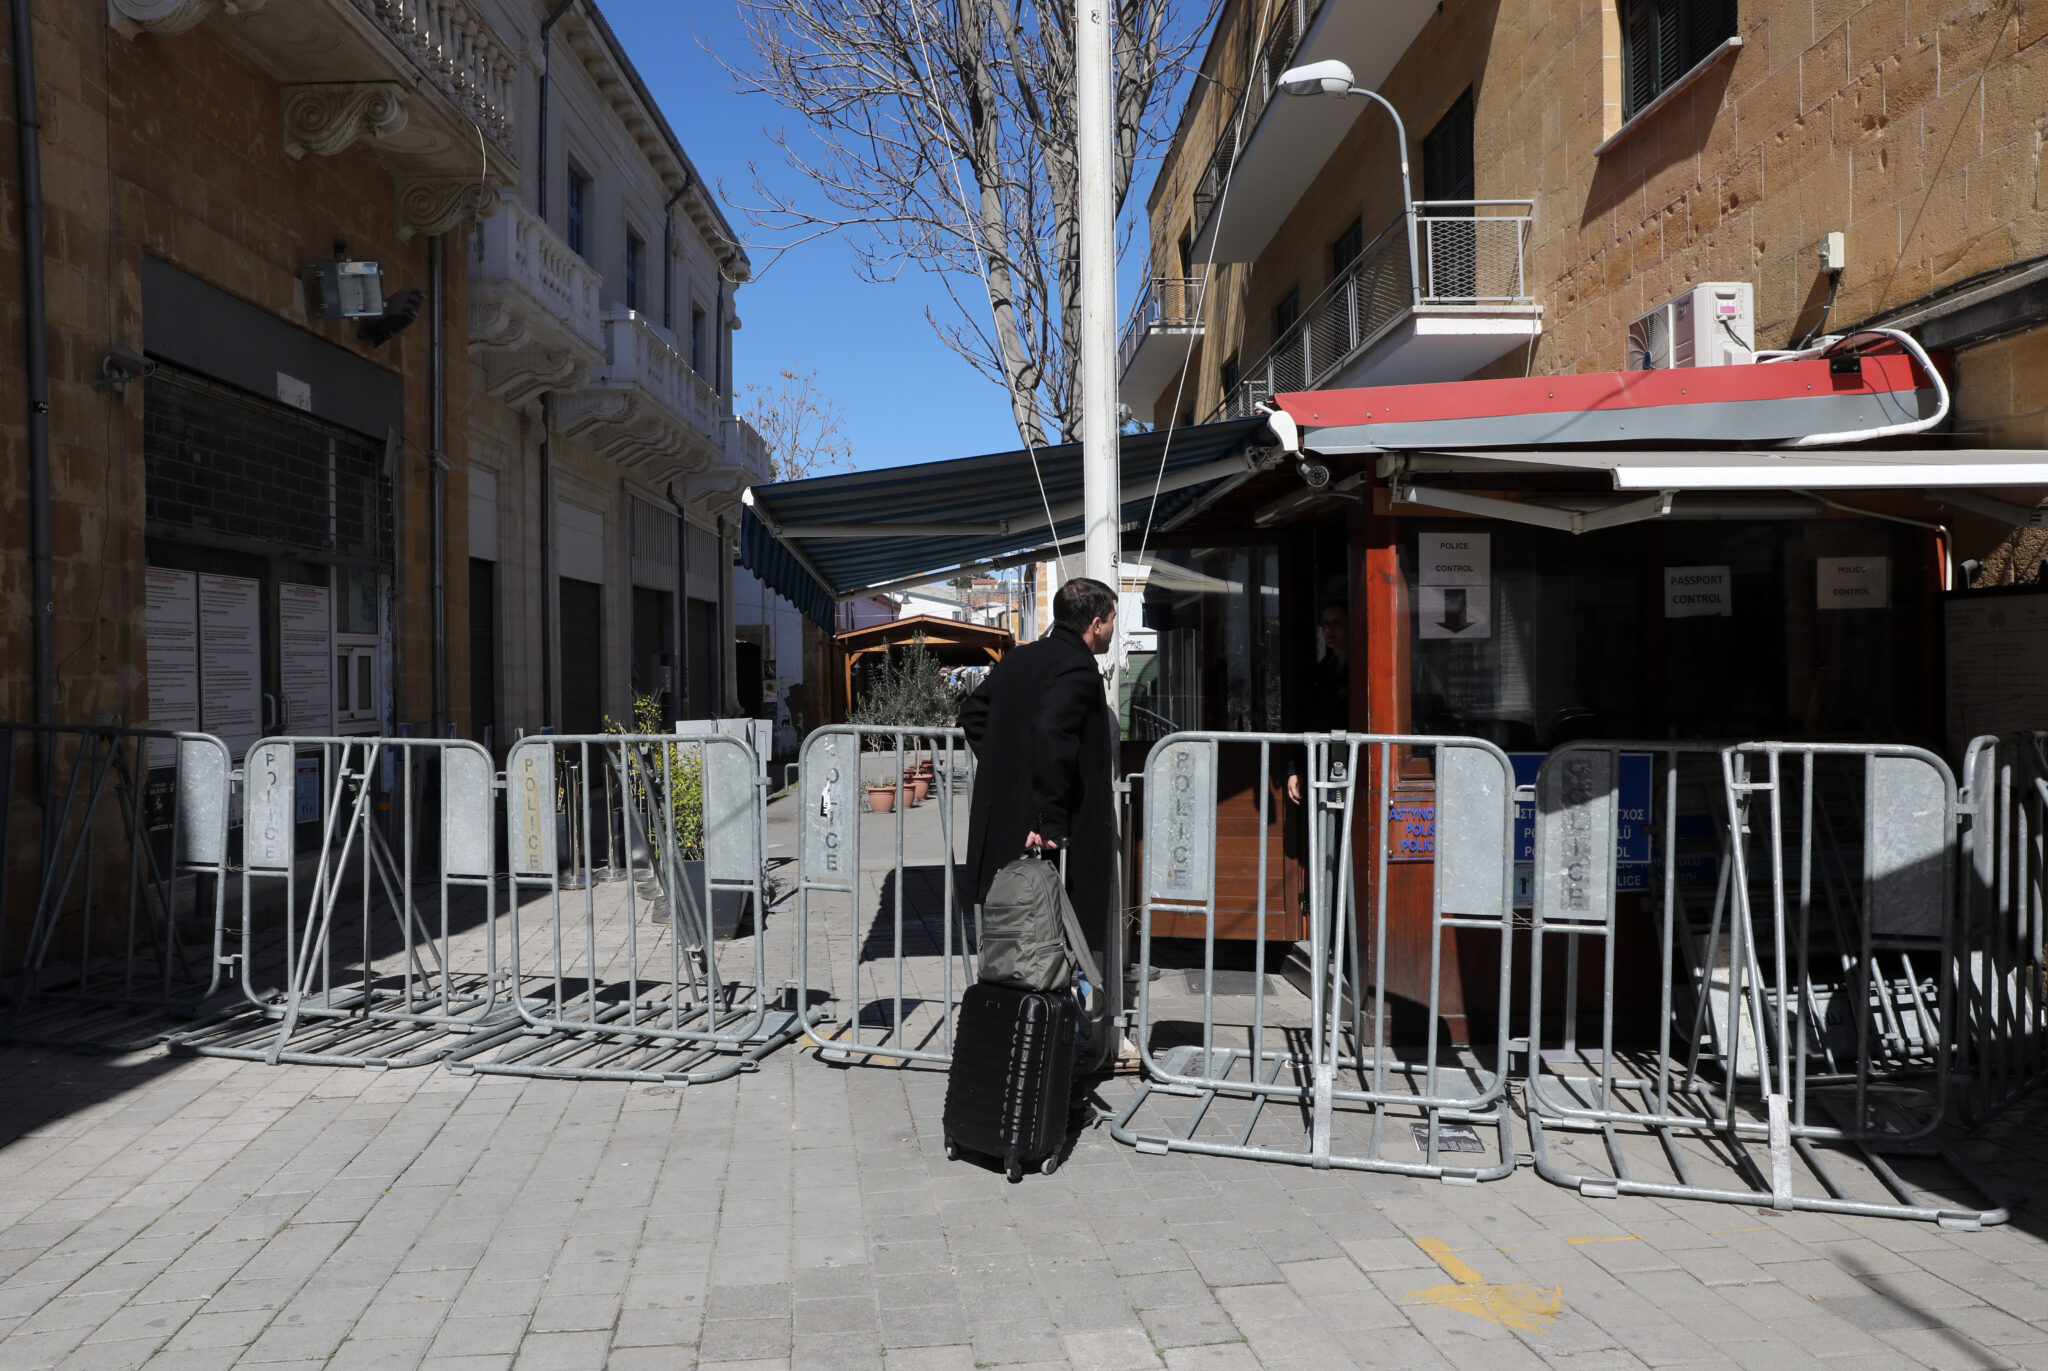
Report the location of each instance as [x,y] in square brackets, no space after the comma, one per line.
[1044,743]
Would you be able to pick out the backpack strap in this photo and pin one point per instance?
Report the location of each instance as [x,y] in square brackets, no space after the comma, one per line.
[1077,943]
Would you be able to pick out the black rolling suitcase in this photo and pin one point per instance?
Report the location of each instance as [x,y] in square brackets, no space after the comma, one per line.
[1007,1094]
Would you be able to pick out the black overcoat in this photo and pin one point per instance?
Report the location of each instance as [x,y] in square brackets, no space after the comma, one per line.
[1044,745]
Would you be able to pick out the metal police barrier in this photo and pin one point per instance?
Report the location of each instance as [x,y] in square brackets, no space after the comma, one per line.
[906,954]
[1799,899]
[367,864]
[638,960]
[1360,1098]
[2002,1042]
[120,836]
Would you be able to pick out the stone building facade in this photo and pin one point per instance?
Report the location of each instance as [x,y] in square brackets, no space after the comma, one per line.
[253,488]
[1913,130]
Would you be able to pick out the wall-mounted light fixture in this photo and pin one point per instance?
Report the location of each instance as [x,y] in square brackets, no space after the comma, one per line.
[350,288]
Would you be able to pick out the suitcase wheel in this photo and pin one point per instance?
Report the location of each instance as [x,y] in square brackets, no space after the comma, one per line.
[1049,1165]
[1016,1171]
[952,1150]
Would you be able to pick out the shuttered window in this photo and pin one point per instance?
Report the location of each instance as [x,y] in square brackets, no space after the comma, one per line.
[1662,40]
[233,470]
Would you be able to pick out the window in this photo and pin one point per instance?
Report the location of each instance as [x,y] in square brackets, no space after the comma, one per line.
[697,340]
[1662,40]
[355,684]
[1228,376]
[1187,253]
[1345,250]
[1286,312]
[633,249]
[579,190]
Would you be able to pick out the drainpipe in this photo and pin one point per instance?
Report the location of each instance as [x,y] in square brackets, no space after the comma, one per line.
[437,464]
[37,366]
[668,255]
[547,411]
[547,571]
[546,27]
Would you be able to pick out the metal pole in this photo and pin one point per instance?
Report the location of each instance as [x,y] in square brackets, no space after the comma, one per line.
[1093,135]
[437,493]
[36,374]
[1407,194]
[543,523]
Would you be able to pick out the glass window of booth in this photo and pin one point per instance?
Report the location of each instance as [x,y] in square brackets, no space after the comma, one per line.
[1206,652]
[1709,629]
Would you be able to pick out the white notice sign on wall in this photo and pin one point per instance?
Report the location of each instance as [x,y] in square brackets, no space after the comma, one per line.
[1697,592]
[231,660]
[1852,582]
[1454,559]
[171,619]
[1455,611]
[1454,584]
[305,649]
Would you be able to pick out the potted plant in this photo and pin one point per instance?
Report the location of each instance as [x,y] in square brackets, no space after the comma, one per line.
[906,689]
[881,796]
[667,804]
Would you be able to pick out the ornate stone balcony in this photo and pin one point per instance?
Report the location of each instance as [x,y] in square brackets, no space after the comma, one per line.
[746,464]
[645,406]
[425,85]
[534,320]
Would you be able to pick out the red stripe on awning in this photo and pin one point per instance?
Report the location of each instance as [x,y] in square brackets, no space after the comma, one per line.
[1883,371]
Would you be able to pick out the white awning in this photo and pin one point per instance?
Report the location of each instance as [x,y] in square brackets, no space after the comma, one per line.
[1931,469]
[1684,484]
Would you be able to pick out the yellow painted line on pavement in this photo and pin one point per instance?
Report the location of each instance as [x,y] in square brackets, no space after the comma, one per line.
[1530,1308]
[1609,1237]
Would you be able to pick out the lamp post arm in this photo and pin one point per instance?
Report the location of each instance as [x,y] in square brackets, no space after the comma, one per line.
[1407,192]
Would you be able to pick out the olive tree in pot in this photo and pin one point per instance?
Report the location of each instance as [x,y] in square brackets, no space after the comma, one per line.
[665,783]
[905,689]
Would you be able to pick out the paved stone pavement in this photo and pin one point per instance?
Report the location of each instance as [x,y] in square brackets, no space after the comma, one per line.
[205,1213]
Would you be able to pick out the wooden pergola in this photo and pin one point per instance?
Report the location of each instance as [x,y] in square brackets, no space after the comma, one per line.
[952,642]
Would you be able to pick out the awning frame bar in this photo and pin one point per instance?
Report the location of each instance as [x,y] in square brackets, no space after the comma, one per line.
[1655,506]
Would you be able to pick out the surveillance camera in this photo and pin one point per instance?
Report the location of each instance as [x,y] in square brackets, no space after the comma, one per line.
[399,312]
[121,366]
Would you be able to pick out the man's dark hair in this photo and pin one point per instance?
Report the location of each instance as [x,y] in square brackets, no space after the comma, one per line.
[1081,601]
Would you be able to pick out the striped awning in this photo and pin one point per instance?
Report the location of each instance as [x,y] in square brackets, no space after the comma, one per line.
[831,538]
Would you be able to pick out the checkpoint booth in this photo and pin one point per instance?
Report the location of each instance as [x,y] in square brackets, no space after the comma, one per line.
[1742,553]
[1735,554]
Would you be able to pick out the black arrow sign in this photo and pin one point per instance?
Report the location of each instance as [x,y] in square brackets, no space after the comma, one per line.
[1455,619]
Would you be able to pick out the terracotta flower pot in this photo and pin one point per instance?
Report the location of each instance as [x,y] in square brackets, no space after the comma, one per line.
[882,798]
[919,786]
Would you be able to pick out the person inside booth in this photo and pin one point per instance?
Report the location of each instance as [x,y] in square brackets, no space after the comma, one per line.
[1326,694]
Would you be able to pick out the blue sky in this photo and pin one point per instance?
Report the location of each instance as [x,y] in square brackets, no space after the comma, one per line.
[907,397]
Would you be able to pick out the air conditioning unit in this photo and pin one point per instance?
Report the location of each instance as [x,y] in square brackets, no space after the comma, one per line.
[1711,325]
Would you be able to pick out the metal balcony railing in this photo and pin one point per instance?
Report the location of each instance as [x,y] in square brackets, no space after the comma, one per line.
[1290,19]
[1166,304]
[1472,254]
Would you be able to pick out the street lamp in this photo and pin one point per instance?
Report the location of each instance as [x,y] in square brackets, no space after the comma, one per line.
[1333,77]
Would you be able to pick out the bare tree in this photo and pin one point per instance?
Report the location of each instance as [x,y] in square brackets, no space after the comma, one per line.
[805,432]
[944,139]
